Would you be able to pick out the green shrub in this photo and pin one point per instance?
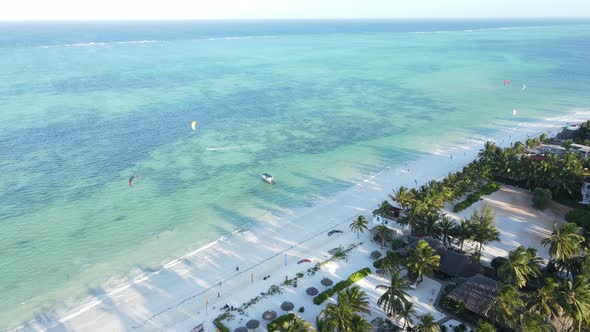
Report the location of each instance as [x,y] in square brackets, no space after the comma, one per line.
[452,305]
[580,217]
[323,296]
[276,324]
[486,189]
[489,188]
[341,285]
[461,206]
[356,276]
[397,243]
[302,309]
[219,325]
[360,274]
[541,198]
[377,263]
[460,328]
[498,261]
[484,327]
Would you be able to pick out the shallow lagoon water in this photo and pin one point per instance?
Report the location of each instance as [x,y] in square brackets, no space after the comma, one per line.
[319,105]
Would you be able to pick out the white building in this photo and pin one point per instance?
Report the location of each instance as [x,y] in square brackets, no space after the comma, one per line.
[397,228]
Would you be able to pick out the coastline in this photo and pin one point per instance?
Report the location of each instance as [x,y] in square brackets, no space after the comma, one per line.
[174,295]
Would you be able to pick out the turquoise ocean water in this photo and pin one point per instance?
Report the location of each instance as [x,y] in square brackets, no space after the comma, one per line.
[318,104]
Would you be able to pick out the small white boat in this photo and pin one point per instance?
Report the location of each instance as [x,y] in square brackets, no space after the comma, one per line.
[267,178]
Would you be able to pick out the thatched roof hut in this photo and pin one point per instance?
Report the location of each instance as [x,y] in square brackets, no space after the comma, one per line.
[477,293]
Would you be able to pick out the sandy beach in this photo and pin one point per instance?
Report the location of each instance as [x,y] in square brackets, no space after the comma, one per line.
[174,297]
[519,222]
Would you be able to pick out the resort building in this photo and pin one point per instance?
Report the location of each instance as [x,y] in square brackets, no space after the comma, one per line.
[478,294]
[568,132]
[390,220]
[452,264]
[582,150]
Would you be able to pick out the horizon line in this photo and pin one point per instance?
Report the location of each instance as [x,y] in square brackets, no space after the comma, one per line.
[295,19]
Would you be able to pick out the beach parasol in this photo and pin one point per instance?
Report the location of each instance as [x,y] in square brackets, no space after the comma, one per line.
[326,282]
[269,315]
[253,324]
[375,254]
[287,306]
[311,291]
[241,329]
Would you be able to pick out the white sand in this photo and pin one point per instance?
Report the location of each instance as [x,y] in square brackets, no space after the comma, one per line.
[174,297]
[518,222]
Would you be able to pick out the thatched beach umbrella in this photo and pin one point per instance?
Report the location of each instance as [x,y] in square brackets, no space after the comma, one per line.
[375,254]
[326,282]
[269,315]
[253,324]
[287,306]
[241,329]
[311,291]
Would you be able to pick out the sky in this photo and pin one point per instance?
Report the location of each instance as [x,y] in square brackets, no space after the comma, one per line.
[286,9]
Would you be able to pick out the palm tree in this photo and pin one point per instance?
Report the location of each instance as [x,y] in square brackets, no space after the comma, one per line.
[518,147]
[422,260]
[297,324]
[507,306]
[356,299]
[464,232]
[521,266]
[384,209]
[360,324]
[322,324]
[533,322]
[484,228]
[383,233]
[406,314]
[543,137]
[392,262]
[489,152]
[565,242]
[447,229]
[338,316]
[544,300]
[403,197]
[484,327]
[574,298]
[426,324]
[395,296]
[427,225]
[359,225]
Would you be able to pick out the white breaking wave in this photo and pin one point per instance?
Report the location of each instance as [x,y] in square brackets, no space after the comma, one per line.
[137,42]
[239,37]
[90,44]
[481,29]
[85,44]
[225,148]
